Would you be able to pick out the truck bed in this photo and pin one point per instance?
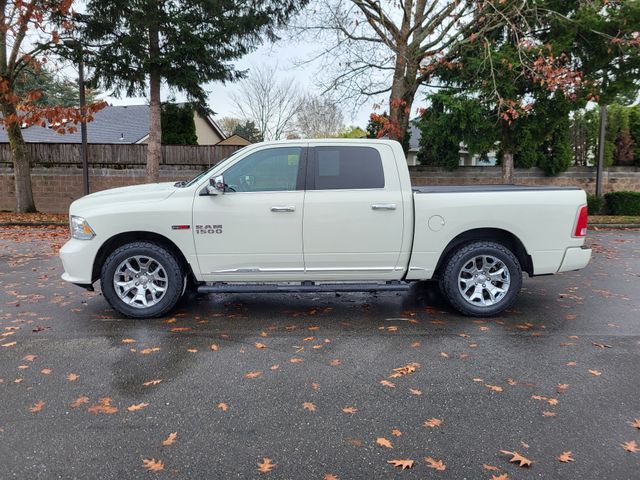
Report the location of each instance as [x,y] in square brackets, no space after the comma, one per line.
[484,188]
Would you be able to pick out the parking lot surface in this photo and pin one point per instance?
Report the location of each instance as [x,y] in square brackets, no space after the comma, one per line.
[320,386]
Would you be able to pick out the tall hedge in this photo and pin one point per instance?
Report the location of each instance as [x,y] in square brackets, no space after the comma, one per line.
[623,203]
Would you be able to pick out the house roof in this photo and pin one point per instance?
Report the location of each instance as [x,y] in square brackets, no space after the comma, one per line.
[112,124]
[235,139]
[124,124]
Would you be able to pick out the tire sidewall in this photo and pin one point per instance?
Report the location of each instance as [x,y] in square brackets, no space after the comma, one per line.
[449,282]
[175,278]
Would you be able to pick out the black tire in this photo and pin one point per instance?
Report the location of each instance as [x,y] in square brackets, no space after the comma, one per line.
[175,279]
[462,257]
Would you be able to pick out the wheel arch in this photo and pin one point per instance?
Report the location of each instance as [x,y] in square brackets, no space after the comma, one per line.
[120,239]
[498,235]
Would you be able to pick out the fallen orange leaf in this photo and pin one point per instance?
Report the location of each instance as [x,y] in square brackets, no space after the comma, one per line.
[401,463]
[79,401]
[635,423]
[517,458]
[387,383]
[383,442]
[432,422]
[252,374]
[152,464]
[595,373]
[37,407]
[565,457]
[223,406]
[171,439]
[266,465]
[504,476]
[435,464]
[260,345]
[631,446]
[152,382]
[396,432]
[349,410]
[415,392]
[137,406]
[72,377]
[103,406]
[309,406]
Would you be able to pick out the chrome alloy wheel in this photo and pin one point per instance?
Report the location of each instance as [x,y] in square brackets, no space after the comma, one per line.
[484,280]
[140,281]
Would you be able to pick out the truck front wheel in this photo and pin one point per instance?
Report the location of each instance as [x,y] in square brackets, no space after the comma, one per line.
[481,279]
[142,280]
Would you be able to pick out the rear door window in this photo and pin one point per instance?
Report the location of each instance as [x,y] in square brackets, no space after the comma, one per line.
[345,168]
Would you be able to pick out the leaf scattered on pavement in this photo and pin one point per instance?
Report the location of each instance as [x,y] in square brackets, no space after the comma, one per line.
[517,458]
[37,407]
[266,465]
[565,457]
[403,464]
[631,446]
[152,464]
[435,464]
[383,442]
[171,439]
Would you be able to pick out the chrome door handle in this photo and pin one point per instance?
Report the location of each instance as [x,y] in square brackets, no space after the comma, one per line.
[283,209]
[383,206]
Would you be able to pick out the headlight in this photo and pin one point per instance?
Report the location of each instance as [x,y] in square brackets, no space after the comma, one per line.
[80,229]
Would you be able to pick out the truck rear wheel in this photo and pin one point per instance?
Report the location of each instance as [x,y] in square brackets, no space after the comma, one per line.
[481,279]
[142,280]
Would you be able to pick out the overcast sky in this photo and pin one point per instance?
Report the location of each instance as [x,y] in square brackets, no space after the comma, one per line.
[285,54]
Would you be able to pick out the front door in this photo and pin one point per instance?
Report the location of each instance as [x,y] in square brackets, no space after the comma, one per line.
[353,214]
[254,229]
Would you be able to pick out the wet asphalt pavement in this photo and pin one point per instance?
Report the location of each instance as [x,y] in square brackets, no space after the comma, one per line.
[242,377]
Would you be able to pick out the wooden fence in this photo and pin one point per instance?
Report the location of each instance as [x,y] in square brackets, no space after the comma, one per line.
[118,156]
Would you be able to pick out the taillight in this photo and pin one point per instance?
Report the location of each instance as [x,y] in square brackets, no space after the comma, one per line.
[581,222]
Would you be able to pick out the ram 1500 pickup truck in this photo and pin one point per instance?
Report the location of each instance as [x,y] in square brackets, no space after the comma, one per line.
[320,215]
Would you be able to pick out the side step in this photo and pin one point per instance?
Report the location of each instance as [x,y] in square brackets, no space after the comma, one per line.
[304,287]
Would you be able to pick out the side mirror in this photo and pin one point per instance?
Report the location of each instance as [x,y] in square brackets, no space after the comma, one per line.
[216,185]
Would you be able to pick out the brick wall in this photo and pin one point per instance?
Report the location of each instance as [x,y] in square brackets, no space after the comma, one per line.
[56,186]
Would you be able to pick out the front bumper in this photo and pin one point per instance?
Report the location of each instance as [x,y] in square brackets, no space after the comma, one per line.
[575,258]
[77,260]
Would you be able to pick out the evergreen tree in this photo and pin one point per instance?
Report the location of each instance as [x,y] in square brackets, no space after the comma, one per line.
[178,124]
[249,131]
[183,44]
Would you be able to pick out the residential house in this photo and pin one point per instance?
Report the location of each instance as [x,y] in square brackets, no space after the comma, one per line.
[118,124]
[466,159]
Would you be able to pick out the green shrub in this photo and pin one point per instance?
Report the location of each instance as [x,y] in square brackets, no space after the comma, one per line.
[594,204]
[623,203]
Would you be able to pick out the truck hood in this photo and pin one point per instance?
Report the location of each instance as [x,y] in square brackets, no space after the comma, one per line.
[151,192]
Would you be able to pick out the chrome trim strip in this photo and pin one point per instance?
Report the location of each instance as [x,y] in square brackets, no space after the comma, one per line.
[255,270]
[351,269]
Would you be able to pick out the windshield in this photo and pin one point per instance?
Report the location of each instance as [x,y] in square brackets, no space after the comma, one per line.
[201,175]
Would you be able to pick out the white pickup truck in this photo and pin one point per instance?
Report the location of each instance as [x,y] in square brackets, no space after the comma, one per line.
[317,216]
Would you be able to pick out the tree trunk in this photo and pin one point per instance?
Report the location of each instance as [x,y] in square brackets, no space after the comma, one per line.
[403,91]
[601,143]
[21,164]
[154,152]
[507,167]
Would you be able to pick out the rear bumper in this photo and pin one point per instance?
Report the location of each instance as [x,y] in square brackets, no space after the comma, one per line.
[575,258]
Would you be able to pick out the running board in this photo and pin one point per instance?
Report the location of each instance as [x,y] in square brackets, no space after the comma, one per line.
[304,287]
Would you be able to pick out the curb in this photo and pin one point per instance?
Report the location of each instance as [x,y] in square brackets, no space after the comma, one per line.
[614,226]
[33,224]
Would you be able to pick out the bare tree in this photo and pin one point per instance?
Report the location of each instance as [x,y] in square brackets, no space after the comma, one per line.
[270,103]
[229,124]
[319,117]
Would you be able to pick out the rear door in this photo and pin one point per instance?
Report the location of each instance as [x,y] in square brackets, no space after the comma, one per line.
[353,213]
